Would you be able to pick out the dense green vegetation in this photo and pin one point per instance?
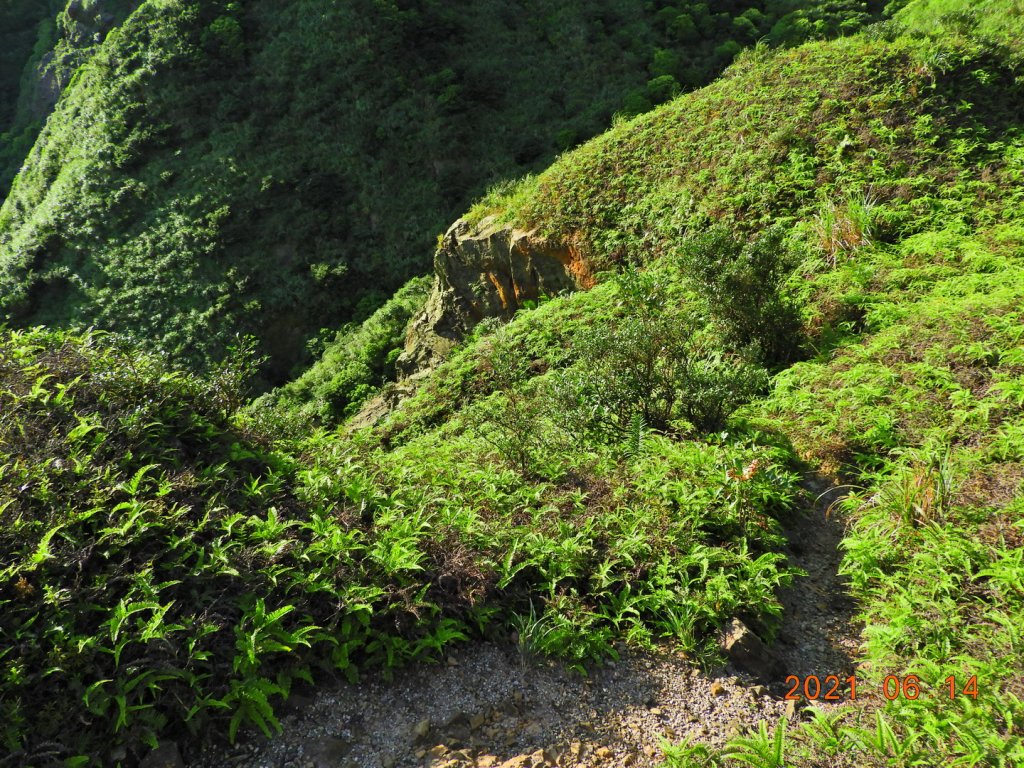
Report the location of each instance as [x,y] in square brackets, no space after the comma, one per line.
[42,44]
[896,158]
[24,24]
[165,568]
[290,164]
[350,367]
[816,263]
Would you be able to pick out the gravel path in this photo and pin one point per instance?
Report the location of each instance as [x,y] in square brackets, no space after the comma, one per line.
[819,635]
[488,706]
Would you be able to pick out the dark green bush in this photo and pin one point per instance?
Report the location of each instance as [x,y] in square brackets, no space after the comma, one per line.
[743,285]
[653,361]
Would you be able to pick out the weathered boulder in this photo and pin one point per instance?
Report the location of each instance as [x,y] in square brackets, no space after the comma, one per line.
[165,755]
[327,752]
[487,270]
[747,651]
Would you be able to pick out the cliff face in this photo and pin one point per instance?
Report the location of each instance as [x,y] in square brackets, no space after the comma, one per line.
[487,270]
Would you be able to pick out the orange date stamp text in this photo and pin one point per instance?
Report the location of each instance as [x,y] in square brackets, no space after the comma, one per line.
[836,688]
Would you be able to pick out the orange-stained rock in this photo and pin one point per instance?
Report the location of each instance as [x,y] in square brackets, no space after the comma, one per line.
[487,271]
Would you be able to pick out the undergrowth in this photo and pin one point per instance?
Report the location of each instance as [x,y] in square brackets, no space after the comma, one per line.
[167,572]
[821,264]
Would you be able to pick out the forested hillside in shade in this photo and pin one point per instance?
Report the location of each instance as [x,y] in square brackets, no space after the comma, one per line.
[42,44]
[25,26]
[19,21]
[290,164]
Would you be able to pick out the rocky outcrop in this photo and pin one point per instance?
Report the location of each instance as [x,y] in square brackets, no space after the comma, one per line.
[83,26]
[486,271]
[747,651]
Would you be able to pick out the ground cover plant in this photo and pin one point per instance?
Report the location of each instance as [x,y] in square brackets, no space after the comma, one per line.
[813,264]
[911,296]
[166,569]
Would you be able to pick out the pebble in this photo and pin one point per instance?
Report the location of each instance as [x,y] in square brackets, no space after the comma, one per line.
[792,709]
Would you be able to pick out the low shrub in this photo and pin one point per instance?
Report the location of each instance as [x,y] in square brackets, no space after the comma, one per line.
[743,287]
[654,361]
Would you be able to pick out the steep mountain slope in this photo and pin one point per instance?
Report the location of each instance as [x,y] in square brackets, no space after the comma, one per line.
[24,24]
[42,44]
[826,140]
[289,164]
[893,163]
[815,264]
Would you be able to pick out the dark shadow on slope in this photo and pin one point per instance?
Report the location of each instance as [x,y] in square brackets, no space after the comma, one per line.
[819,634]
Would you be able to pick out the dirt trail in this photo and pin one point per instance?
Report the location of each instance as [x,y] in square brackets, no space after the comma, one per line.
[819,635]
[487,705]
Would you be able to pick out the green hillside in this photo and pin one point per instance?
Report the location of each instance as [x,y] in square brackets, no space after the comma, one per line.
[26,29]
[891,164]
[42,44]
[290,165]
[814,266]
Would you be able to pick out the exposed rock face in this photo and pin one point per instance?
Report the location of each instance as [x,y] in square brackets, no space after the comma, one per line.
[86,24]
[47,87]
[486,271]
